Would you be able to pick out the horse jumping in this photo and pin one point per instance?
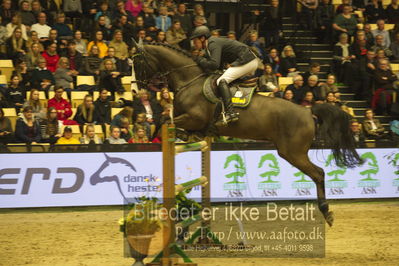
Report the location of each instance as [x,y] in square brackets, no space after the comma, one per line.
[292,128]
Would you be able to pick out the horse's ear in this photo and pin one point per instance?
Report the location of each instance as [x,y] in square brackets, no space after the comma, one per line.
[138,47]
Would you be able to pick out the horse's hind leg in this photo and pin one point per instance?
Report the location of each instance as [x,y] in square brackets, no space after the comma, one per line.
[301,161]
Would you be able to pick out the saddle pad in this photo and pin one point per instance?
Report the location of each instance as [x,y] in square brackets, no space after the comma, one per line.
[241,96]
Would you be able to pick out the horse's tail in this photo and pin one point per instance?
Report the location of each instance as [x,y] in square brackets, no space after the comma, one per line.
[334,129]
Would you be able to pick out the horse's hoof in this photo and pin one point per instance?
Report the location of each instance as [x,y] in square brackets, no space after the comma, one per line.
[330,218]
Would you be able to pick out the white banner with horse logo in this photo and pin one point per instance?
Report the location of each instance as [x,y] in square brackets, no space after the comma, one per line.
[87,179]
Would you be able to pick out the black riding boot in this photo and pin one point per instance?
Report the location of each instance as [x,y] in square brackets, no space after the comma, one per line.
[229,114]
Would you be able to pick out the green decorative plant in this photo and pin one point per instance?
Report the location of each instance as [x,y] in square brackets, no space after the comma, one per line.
[142,218]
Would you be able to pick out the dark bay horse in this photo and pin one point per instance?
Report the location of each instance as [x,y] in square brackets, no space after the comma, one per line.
[289,126]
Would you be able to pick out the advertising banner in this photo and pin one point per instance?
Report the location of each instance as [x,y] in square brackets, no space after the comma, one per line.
[86,179]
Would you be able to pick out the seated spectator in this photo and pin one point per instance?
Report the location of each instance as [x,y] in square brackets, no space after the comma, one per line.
[85,113]
[165,97]
[345,23]
[99,42]
[3,34]
[142,123]
[51,57]
[15,93]
[374,11]
[102,108]
[273,59]
[64,75]
[92,63]
[64,31]
[104,26]
[161,37]
[139,136]
[386,40]
[343,57]
[199,11]
[184,17]
[128,30]
[328,86]
[6,132]
[62,106]
[134,7]
[392,12]
[50,127]
[144,104]
[121,48]
[115,136]
[395,48]
[41,27]
[6,11]
[232,35]
[289,95]
[73,9]
[357,131]
[297,88]
[312,85]
[110,78]
[163,22]
[21,70]
[268,81]
[360,45]
[380,46]
[36,8]
[67,138]
[288,65]
[383,80]
[34,39]
[27,17]
[42,78]
[372,126]
[81,44]
[331,99]
[122,66]
[127,112]
[90,137]
[308,99]
[27,129]
[171,7]
[256,45]
[32,56]
[75,58]
[369,35]
[175,36]
[121,11]
[16,23]
[16,45]
[126,132]
[34,101]
[314,69]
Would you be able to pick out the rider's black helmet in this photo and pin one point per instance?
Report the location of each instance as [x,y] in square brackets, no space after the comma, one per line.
[201,31]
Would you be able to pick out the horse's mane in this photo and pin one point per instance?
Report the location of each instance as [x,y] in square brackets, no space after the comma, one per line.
[179,50]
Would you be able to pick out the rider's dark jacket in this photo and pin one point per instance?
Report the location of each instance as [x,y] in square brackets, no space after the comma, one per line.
[222,51]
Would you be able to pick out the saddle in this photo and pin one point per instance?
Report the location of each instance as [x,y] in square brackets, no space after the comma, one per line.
[241,89]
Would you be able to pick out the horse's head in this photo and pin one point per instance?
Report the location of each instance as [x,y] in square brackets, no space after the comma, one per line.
[165,61]
[112,170]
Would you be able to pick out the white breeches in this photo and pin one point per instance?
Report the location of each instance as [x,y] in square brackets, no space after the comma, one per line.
[233,73]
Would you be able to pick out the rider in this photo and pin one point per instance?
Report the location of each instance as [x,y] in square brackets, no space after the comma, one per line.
[219,52]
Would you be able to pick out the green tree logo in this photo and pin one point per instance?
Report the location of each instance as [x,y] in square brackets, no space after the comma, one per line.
[396,164]
[373,166]
[239,167]
[340,171]
[273,165]
[302,176]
